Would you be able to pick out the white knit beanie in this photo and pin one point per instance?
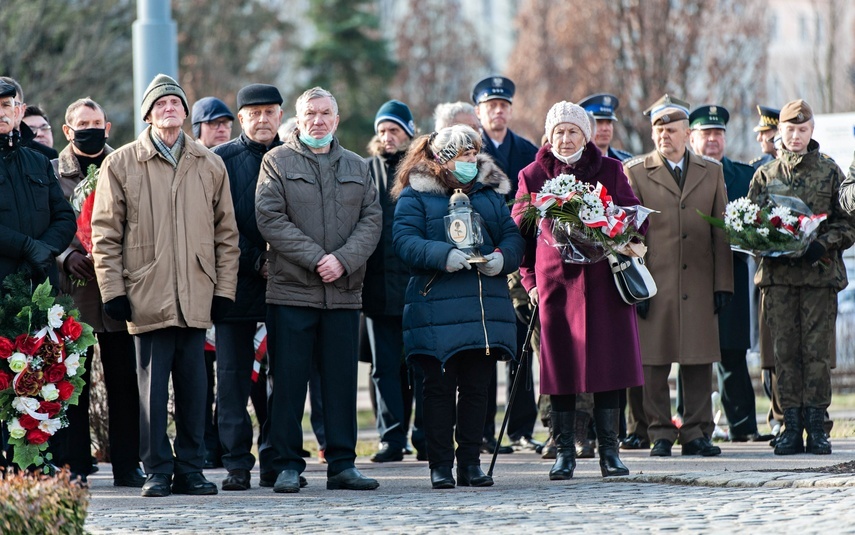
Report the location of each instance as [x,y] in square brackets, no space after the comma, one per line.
[567,112]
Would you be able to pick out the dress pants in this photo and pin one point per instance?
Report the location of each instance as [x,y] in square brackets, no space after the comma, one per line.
[72,446]
[385,333]
[213,452]
[468,373]
[301,335]
[179,352]
[697,403]
[118,359]
[235,357]
[636,419]
[737,392]
[524,410]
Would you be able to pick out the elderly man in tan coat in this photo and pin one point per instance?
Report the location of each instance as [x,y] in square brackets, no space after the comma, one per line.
[164,244]
[692,265]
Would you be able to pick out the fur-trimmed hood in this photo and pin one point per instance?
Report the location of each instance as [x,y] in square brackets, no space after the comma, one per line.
[489,175]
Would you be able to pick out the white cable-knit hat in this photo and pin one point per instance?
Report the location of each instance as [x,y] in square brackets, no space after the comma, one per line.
[567,112]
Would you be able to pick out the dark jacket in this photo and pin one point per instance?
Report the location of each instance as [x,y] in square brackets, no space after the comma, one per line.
[520,153]
[28,139]
[589,336]
[386,275]
[242,157]
[31,205]
[618,154]
[446,313]
[309,205]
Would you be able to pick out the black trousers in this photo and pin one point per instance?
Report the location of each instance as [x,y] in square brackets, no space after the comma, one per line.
[386,336]
[524,410]
[301,334]
[235,357]
[468,373]
[213,452]
[72,446]
[737,392]
[179,352]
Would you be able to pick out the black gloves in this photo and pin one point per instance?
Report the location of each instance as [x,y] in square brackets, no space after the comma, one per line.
[721,299]
[814,252]
[118,308]
[642,308]
[38,257]
[220,307]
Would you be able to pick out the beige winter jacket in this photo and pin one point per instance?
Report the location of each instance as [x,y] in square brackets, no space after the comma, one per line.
[309,205]
[165,238]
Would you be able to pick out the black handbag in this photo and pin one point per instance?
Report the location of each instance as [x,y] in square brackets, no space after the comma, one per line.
[632,278]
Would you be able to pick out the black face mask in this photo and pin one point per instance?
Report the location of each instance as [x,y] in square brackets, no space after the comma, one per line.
[90,140]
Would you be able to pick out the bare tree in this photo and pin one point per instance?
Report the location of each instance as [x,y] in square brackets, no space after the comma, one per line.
[637,51]
[439,60]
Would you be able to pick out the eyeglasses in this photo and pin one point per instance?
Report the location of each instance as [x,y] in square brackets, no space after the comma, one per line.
[42,128]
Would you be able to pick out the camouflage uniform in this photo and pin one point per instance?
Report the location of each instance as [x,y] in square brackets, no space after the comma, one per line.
[800,299]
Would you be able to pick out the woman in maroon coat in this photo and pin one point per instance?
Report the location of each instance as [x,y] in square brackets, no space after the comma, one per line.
[589,336]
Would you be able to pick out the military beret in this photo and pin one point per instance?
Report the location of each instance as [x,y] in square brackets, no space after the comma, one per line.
[492,88]
[258,94]
[796,112]
[667,109]
[7,90]
[769,118]
[707,117]
[601,105]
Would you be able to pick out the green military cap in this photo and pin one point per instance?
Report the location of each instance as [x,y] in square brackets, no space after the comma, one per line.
[768,118]
[796,112]
[667,110]
[709,116]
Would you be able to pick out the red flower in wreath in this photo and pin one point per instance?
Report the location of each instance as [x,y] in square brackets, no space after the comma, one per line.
[5,380]
[29,383]
[7,347]
[51,408]
[65,390]
[71,328]
[28,345]
[37,436]
[55,373]
[28,422]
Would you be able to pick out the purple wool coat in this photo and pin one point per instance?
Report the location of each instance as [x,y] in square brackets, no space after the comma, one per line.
[589,336]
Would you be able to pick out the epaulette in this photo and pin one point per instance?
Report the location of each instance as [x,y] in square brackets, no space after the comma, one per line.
[755,160]
[633,162]
[826,156]
[742,163]
[707,158]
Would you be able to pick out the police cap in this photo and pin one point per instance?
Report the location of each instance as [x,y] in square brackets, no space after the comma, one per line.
[601,105]
[492,88]
[709,116]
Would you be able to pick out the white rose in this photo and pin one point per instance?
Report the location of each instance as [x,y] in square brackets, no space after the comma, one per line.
[72,362]
[15,429]
[55,314]
[49,392]
[50,426]
[17,362]
[26,404]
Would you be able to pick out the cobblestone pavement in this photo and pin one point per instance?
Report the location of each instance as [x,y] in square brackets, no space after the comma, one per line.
[675,495]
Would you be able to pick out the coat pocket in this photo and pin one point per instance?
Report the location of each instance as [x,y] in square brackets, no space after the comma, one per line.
[208,268]
[39,188]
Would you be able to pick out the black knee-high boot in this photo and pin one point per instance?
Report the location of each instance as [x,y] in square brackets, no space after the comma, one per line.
[563,431]
[606,422]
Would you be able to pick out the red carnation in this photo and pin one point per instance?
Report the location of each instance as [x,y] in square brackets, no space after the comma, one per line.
[7,347]
[65,390]
[5,380]
[51,408]
[71,328]
[28,422]
[37,436]
[55,373]
[27,344]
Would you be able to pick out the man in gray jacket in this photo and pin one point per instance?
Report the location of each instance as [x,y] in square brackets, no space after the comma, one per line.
[317,207]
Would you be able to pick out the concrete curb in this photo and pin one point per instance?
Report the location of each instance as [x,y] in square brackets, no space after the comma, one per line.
[747,479]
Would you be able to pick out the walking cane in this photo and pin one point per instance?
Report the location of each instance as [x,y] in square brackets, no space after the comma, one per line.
[525,350]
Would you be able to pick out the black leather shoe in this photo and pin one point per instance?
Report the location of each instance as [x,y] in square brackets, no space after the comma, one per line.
[268,479]
[134,478]
[488,445]
[238,479]
[701,446]
[157,486]
[193,483]
[351,479]
[661,448]
[441,478]
[473,476]
[388,454]
[634,442]
[287,481]
[526,444]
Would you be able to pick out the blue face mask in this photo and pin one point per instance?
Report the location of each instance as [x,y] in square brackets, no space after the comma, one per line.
[465,171]
[316,143]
